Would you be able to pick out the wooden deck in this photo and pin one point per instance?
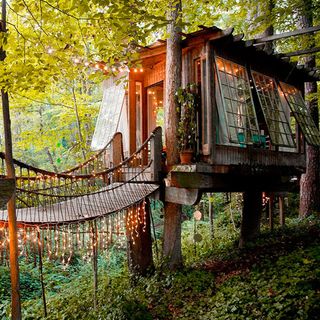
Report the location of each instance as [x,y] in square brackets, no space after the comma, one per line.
[235,169]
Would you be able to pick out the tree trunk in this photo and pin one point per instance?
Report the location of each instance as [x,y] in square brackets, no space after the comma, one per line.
[75,105]
[172,219]
[55,169]
[13,244]
[309,184]
[251,214]
[140,259]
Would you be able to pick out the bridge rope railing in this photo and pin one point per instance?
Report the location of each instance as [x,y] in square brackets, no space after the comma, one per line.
[100,161]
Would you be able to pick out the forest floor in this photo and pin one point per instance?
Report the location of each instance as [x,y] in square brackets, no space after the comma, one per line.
[277,277]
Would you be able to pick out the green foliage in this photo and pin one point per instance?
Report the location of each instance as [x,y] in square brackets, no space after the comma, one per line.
[188,102]
[275,278]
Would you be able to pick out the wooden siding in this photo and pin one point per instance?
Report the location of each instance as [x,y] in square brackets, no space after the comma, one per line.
[228,155]
[154,75]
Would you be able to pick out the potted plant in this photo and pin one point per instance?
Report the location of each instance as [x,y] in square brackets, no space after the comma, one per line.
[188,101]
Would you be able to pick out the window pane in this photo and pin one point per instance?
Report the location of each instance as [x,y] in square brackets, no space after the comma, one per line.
[238,106]
[300,112]
[155,107]
[273,110]
[109,115]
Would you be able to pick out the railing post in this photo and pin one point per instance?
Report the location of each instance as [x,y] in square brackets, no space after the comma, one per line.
[156,153]
[116,149]
[116,154]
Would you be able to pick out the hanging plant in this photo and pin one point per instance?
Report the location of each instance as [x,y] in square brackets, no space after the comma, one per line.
[188,101]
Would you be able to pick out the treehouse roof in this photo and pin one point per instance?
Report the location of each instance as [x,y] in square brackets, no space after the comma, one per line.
[225,43]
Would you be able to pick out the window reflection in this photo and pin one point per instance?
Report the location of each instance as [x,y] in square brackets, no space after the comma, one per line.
[238,107]
[273,110]
[300,112]
[155,107]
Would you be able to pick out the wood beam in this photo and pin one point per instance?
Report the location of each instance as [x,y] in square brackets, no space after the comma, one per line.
[285,35]
[182,195]
[301,52]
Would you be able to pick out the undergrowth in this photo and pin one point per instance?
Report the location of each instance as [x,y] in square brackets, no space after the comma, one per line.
[277,277]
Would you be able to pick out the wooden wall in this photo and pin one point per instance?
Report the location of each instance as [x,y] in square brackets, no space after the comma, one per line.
[228,155]
[155,74]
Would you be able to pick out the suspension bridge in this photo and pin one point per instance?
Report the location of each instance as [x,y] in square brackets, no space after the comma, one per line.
[85,206]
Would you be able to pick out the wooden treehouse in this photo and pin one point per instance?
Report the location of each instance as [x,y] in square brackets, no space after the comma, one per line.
[252,124]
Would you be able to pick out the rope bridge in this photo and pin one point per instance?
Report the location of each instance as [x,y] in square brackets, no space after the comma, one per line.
[102,198]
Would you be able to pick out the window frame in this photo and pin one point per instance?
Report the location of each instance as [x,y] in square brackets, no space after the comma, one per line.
[248,131]
[303,119]
[287,133]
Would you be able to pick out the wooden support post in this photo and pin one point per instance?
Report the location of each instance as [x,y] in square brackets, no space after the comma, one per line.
[139,241]
[95,263]
[211,216]
[156,151]
[211,102]
[41,274]
[281,211]
[117,154]
[271,211]
[251,214]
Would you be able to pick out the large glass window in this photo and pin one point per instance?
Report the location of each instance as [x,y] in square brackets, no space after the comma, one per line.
[237,102]
[300,112]
[273,110]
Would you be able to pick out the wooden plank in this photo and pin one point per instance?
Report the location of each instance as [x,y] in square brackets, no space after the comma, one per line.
[301,52]
[286,35]
[6,190]
[156,151]
[281,211]
[211,101]
[182,196]
[231,155]
[235,182]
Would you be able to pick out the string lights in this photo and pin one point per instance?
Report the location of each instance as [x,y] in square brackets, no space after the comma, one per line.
[71,232]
